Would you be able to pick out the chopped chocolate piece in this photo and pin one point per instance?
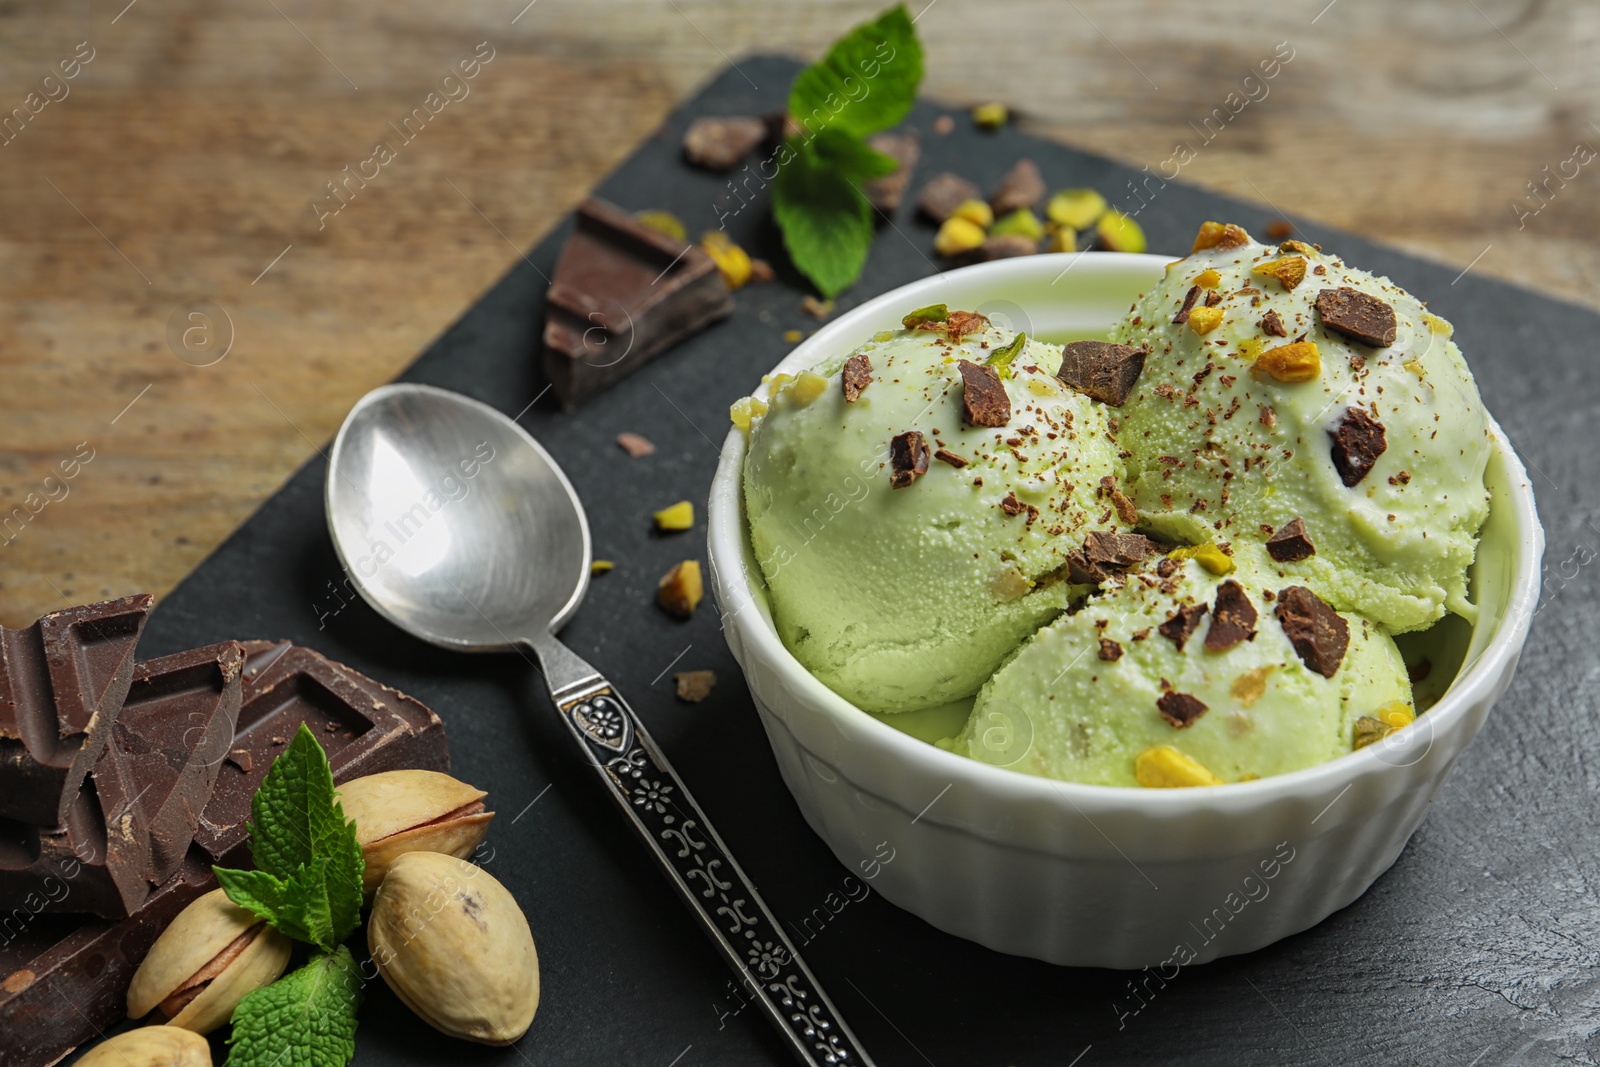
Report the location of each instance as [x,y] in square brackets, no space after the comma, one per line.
[1233,618]
[165,753]
[1101,370]
[1213,298]
[1110,651]
[1082,572]
[885,193]
[622,294]
[1359,316]
[64,979]
[719,142]
[1272,325]
[373,728]
[1012,506]
[635,445]
[62,683]
[944,455]
[1167,567]
[1023,186]
[69,867]
[908,458]
[1291,544]
[1357,444]
[1004,246]
[983,398]
[1118,550]
[857,375]
[1189,300]
[1119,500]
[1181,623]
[944,193]
[694,686]
[1319,634]
[1180,709]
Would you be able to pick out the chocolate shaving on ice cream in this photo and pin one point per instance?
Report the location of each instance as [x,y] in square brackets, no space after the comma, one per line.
[908,458]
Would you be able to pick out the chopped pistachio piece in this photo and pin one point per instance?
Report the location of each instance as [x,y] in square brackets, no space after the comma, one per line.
[1077,208]
[677,517]
[1000,359]
[957,235]
[990,116]
[1208,279]
[680,589]
[807,387]
[931,313]
[974,211]
[601,566]
[1062,239]
[746,409]
[1292,363]
[731,260]
[1205,319]
[1164,767]
[663,222]
[1021,223]
[1207,555]
[1119,233]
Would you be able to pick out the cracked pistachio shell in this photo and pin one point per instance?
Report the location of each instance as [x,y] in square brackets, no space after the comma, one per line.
[454,946]
[216,943]
[396,812]
[151,1046]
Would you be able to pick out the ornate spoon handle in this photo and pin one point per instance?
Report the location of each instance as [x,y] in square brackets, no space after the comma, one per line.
[695,860]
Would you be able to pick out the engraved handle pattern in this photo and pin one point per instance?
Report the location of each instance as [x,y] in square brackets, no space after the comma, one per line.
[645,786]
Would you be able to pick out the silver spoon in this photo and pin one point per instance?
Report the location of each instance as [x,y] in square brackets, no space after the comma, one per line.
[456,526]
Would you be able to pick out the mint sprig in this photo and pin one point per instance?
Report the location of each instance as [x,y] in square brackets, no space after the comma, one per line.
[307,881]
[306,1018]
[866,83]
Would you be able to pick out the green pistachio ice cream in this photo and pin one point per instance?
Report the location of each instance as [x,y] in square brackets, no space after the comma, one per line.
[906,597]
[1172,657]
[1294,386]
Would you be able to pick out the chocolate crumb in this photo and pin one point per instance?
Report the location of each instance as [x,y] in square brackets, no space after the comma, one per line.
[1272,325]
[635,445]
[694,686]
[1167,567]
[1233,618]
[1012,506]
[1125,509]
[241,758]
[1023,186]
[908,458]
[1182,623]
[944,455]
[1180,709]
[1189,300]
[1357,444]
[1291,543]
[944,193]
[1101,370]
[1319,634]
[857,375]
[1359,316]
[1110,651]
[983,399]
[720,142]
[1213,298]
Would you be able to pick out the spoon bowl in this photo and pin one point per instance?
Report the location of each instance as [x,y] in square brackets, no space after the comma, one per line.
[454,523]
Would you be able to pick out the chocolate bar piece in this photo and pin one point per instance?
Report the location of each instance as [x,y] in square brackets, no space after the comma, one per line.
[64,979]
[364,727]
[68,868]
[165,752]
[622,294]
[62,683]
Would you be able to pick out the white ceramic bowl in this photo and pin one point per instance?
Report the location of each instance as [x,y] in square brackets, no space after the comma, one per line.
[1098,875]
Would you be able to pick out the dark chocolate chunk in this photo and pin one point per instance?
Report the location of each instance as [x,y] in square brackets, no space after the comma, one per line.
[1357,443]
[1189,300]
[165,752]
[1101,370]
[1359,316]
[1272,325]
[64,979]
[1119,500]
[885,193]
[694,686]
[364,727]
[908,458]
[1023,186]
[1004,246]
[1110,651]
[1233,618]
[1180,709]
[69,868]
[719,142]
[1181,623]
[1082,572]
[857,375]
[1213,298]
[944,193]
[944,455]
[1167,567]
[1291,543]
[983,398]
[1116,550]
[62,683]
[1014,507]
[622,294]
[1319,634]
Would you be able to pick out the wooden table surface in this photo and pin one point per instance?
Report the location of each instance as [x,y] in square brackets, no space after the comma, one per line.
[185,166]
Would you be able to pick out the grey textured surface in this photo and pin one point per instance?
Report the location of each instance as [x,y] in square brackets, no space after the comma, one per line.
[1480,946]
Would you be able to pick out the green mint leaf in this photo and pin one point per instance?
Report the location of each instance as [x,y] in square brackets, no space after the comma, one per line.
[257,892]
[867,82]
[307,912]
[306,1018]
[931,313]
[297,829]
[852,156]
[1001,358]
[826,221]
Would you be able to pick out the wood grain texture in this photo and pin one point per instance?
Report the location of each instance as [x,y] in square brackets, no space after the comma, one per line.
[191,150]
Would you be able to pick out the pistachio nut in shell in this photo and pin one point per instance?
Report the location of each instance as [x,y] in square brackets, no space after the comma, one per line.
[396,812]
[454,946]
[151,1046]
[206,961]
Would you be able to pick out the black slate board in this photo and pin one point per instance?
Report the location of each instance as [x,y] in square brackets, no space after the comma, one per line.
[1480,946]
